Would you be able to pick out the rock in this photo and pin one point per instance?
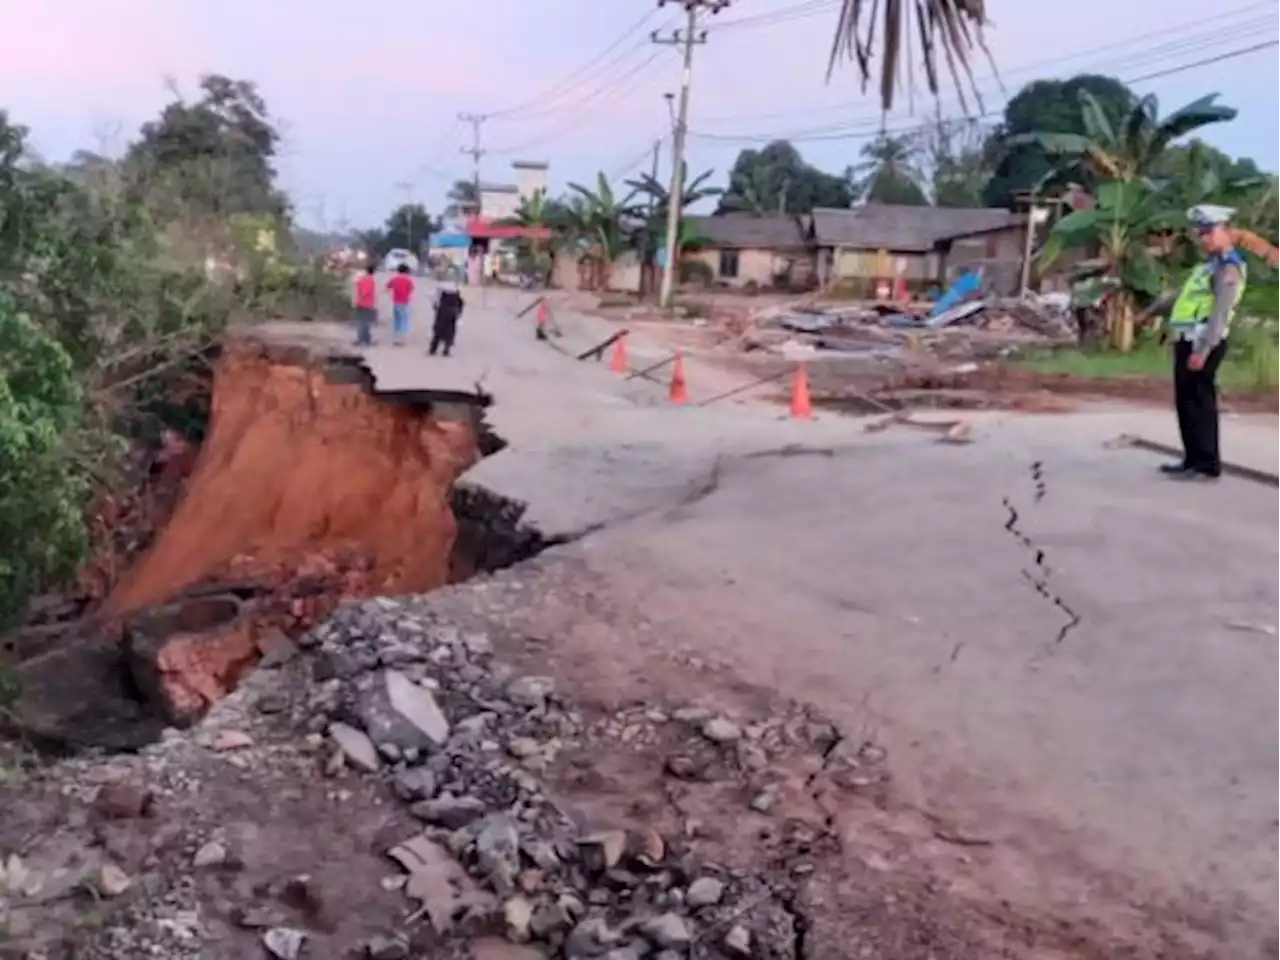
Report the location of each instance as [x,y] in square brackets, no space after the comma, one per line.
[491,948]
[271,703]
[404,713]
[648,848]
[704,892]
[737,942]
[522,747]
[498,851]
[602,851]
[630,951]
[548,919]
[530,692]
[685,768]
[232,740]
[212,854]
[414,783]
[477,644]
[284,943]
[356,746]
[449,811]
[111,881]
[590,938]
[762,802]
[254,918]
[517,914]
[123,800]
[276,648]
[720,730]
[387,947]
[691,714]
[666,930]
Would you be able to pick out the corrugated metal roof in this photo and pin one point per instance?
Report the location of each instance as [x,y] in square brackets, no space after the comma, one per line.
[884,226]
[743,230]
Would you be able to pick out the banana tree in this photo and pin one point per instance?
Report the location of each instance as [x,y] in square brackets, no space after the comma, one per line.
[1132,151]
[1120,226]
[540,212]
[601,222]
[652,215]
[867,30]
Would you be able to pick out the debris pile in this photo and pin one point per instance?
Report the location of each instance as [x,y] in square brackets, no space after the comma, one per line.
[462,739]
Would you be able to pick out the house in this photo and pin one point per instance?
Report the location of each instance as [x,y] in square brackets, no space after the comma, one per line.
[499,202]
[866,246]
[747,250]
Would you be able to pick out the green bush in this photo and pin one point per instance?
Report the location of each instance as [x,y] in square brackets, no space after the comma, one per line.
[42,489]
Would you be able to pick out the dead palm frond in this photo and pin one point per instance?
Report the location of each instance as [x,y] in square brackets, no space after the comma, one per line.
[950,27]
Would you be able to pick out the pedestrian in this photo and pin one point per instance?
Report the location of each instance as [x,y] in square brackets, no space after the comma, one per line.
[366,305]
[449,304]
[1198,324]
[401,287]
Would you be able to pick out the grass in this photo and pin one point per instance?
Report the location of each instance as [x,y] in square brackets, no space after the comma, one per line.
[1252,362]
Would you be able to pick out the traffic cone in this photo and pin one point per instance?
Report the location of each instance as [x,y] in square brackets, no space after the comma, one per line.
[542,317]
[801,408]
[678,394]
[618,362]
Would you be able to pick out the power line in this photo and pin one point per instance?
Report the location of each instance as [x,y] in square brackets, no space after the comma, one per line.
[849,133]
[800,11]
[554,91]
[475,151]
[1220,31]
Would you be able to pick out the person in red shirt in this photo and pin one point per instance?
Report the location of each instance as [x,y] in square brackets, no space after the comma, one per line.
[401,287]
[366,304]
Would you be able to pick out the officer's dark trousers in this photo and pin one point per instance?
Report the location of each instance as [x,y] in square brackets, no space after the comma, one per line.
[1195,394]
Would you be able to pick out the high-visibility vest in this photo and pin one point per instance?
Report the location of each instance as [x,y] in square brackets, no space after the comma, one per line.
[1195,300]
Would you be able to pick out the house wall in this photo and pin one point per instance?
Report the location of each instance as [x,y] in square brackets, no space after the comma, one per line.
[998,254]
[755,265]
[529,180]
[854,264]
[498,205]
[569,274]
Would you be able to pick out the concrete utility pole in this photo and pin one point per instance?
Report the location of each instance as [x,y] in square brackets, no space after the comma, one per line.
[687,38]
[474,151]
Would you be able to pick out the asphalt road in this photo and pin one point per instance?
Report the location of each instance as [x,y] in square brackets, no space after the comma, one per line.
[1062,650]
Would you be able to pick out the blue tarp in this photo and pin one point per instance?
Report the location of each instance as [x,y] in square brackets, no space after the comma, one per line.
[448,241]
[967,284]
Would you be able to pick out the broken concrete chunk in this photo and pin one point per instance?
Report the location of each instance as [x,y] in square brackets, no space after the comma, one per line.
[591,938]
[111,881]
[704,892]
[720,730]
[356,746]
[666,930]
[401,712]
[498,851]
[602,851]
[387,947]
[212,854]
[737,942]
[517,914]
[522,747]
[530,692]
[285,943]
[415,783]
[123,800]
[449,811]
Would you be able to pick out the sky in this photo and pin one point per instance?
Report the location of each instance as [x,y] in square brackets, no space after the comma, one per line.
[368,95]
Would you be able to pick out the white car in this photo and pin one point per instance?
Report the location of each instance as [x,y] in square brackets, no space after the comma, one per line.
[394,258]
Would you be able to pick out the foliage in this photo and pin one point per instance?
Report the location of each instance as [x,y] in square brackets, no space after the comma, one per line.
[956,162]
[889,172]
[539,211]
[1045,106]
[42,488]
[776,179]
[462,195]
[602,223]
[867,30]
[407,228]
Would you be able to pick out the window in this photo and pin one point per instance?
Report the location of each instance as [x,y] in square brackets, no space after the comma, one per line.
[728,264]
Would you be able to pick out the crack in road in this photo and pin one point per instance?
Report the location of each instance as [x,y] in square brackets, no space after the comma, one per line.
[1039,572]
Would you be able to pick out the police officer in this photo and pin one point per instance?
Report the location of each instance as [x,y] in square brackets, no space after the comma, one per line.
[1198,324]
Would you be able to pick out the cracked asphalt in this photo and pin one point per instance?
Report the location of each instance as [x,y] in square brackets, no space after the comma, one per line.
[1110,733]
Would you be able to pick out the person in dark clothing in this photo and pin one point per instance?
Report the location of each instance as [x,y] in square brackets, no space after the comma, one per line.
[1199,323]
[449,305]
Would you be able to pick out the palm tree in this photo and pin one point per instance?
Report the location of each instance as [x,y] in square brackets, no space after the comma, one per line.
[602,224]
[889,172]
[950,27]
[653,214]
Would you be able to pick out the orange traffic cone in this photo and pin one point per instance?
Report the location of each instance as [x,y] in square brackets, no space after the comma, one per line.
[618,362]
[678,394]
[540,322]
[801,408]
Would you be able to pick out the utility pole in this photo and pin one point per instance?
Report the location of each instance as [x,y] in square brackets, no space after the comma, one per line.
[687,38]
[474,151]
[406,188]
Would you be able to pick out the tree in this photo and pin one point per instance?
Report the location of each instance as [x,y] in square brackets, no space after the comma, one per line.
[950,27]
[409,226]
[776,179]
[602,223]
[216,153]
[955,159]
[1045,106]
[540,212]
[460,196]
[890,173]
